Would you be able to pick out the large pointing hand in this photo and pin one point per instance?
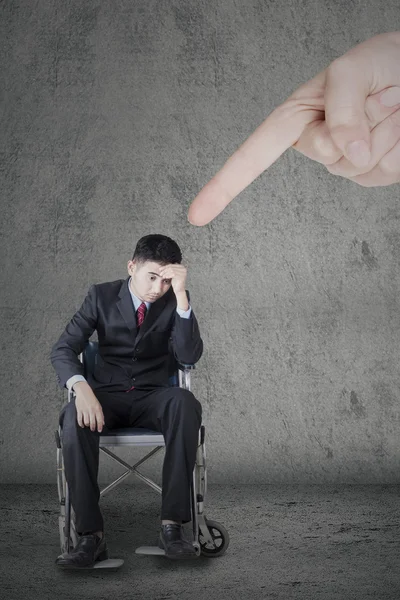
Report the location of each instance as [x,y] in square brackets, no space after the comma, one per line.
[347,117]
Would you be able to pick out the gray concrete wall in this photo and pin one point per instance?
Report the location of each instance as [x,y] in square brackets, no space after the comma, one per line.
[115,114]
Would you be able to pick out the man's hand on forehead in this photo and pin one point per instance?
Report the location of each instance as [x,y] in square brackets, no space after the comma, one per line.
[172,270]
[177,273]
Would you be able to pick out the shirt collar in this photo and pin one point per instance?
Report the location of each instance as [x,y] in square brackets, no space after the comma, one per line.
[136,301]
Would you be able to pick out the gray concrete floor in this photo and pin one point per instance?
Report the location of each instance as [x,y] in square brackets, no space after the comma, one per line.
[287,542]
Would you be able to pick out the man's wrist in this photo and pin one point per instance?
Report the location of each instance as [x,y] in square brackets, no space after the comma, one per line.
[80,386]
[182,301]
[73,380]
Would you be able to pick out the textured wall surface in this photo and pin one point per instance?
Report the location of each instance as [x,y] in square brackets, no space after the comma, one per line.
[114,115]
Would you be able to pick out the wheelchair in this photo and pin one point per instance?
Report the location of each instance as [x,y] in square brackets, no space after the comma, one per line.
[210,538]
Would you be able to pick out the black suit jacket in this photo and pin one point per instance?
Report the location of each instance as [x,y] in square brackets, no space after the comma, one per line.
[127,357]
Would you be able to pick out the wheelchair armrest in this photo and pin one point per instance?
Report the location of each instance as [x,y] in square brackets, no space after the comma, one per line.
[186,367]
[70,395]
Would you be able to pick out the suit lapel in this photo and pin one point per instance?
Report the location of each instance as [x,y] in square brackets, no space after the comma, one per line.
[126,308]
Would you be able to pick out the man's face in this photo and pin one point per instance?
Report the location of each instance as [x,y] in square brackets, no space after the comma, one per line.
[146,281]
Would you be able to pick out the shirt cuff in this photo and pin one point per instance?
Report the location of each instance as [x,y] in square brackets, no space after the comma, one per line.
[185,314]
[74,379]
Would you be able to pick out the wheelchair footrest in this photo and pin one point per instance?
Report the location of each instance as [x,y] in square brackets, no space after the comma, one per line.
[109,563]
[150,550]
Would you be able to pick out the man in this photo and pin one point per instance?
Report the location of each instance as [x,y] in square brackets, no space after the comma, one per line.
[139,322]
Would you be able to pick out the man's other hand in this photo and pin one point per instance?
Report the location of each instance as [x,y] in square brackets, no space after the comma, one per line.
[88,409]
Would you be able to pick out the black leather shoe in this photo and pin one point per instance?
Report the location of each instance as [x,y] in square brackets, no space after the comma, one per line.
[172,541]
[89,549]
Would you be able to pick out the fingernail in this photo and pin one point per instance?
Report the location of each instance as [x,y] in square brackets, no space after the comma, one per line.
[358,153]
[391,96]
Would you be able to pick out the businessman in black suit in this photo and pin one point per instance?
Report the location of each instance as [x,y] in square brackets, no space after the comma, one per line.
[139,321]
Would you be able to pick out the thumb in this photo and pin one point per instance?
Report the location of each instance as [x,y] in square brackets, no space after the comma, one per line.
[346,92]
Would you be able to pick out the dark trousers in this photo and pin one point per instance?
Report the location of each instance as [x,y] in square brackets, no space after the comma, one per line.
[173,411]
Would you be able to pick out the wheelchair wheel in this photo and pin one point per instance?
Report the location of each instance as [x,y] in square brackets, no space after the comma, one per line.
[220,541]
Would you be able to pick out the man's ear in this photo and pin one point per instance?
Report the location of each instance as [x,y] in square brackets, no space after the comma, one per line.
[131,266]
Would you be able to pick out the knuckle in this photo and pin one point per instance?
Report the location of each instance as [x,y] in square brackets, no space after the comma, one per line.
[332,168]
[363,181]
[339,65]
[390,168]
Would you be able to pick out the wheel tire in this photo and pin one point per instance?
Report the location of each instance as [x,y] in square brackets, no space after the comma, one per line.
[220,537]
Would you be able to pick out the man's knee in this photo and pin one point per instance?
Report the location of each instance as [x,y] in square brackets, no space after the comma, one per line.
[68,424]
[68,415]
[185,402]
[70,428]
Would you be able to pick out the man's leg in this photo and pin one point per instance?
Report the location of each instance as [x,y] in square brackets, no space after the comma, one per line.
[80,447]
[176,413]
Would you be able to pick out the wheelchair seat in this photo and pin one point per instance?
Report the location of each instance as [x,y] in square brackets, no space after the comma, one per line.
[132,436]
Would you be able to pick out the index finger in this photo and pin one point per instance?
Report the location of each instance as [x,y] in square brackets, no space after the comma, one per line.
[281,129]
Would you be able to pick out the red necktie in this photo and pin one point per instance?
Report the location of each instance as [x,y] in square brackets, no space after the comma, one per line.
[141,313]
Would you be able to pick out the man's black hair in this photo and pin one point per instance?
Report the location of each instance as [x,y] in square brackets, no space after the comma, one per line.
[157,248]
